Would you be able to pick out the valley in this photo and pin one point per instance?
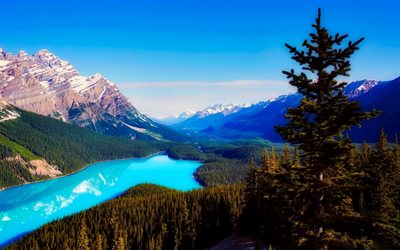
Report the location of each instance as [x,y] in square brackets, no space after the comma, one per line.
[179,125]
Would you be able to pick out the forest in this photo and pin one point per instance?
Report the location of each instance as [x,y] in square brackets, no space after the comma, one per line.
[69,147]
[361,205]
[145,217]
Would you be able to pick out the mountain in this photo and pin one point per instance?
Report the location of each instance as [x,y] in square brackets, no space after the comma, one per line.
[384,96]
[35,147]
[44,84]
[174,119]
[211,115]
[258,123]
[260,119]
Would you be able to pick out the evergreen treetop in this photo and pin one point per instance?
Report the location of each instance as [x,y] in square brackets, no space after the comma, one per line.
[317,126]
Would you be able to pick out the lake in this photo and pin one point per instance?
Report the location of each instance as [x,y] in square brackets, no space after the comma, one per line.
[27,207]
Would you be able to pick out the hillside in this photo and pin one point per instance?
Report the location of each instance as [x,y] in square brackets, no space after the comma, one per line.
[34,147]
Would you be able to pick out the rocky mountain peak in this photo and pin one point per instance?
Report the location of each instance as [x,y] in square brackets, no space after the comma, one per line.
[357,88]
[22,55]
[45,84]
[220,109]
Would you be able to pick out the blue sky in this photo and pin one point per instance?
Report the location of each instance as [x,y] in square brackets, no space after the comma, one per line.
[168,56]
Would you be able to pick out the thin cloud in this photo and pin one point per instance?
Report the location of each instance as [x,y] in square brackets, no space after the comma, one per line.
[200,84]
[160,99]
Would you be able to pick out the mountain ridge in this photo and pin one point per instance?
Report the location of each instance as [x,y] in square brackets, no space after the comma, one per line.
[44,84]
[251,122]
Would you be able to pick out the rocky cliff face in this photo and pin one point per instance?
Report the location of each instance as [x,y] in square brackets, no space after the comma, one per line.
[44,84]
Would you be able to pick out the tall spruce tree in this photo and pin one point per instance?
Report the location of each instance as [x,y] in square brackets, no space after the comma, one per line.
[249,216]
[83,238]
[316,126]
[382,177]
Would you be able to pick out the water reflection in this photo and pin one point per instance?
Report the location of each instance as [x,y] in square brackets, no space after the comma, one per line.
[27,207]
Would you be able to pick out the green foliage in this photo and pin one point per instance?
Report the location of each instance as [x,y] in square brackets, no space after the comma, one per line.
[227,163]
[218,170]
[223,162]
[185,151]
[274,209]
[8,176]
[332,195]
[147,217]
[70,148]
[66,146]
[83,239]
[316,126]
[18,149]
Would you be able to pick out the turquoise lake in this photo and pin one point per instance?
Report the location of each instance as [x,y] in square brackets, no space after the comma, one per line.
[27,207]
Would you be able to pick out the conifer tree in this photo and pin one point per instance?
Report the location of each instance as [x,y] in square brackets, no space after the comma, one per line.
[188,231]
[362,176]
[33,244]
[316,126]
[286,158]
[383,177]
[273,162]
[249,216]
[265,160]
[296,157]
[396,163]
[66,246]
[118,238]
[99,242]
[83,239]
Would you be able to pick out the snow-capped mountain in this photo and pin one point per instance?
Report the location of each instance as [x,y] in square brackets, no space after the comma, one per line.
[211,115]
[358,88]
[220,109]
[186,114]
[174,119]
[258,120]
[44,84]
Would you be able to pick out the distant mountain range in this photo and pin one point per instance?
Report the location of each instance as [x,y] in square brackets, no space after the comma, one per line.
[209,116]
[258,120]
[174,119]
[47,85]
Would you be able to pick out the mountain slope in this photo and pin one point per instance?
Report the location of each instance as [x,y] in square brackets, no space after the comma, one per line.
[212,115]
[382,95]
[47,85]
[33,147]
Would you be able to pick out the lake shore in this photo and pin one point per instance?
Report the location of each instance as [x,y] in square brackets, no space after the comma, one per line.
[89,187]
[84,167]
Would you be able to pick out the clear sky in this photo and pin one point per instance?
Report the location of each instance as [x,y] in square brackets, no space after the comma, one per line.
[168,56]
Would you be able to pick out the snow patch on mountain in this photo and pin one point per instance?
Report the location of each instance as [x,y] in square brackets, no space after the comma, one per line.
[174,119]
[44,84]
[7,113]
[357,88]
[4,63]
[220,109]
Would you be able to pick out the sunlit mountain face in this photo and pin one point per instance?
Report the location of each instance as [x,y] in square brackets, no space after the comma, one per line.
[44,84]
